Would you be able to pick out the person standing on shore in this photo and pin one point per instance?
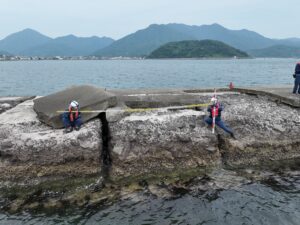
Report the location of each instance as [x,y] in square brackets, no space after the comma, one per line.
[215,110]
[297,79]
[72,117]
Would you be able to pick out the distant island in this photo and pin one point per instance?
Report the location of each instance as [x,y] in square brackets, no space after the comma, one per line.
[197,49]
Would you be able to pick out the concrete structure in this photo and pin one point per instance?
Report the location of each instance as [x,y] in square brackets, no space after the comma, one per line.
[88,97]
[126,145]
[278,94]
[143,141]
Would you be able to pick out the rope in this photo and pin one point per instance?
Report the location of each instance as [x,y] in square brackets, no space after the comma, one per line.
[129,110]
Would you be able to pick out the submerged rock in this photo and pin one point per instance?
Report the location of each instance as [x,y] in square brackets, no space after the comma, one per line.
[89,98]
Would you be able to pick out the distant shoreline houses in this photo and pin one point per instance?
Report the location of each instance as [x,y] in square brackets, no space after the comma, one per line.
[36,58]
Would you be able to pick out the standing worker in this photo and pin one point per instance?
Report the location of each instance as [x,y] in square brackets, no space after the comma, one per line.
[297,79]
[72,117]
[215,110]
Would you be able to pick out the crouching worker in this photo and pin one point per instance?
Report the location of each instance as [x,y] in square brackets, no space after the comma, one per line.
[72,117]
[218,121]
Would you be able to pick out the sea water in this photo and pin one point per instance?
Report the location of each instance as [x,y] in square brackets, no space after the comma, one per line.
[274,199]
[20,78]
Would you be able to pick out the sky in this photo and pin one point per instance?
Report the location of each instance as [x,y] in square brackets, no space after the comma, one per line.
[117,18]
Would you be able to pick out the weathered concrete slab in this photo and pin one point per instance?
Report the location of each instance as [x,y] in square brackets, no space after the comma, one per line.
[7,103]
[282,94]
[156,98]
[88,97]
[176,97]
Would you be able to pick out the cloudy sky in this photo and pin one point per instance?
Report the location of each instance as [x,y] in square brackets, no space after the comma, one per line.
[117,18]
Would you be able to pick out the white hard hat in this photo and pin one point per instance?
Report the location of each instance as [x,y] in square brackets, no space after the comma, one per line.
[214,100]
[74,104]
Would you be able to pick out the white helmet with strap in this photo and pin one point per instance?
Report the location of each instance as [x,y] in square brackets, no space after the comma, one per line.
[214,100]
[74,104]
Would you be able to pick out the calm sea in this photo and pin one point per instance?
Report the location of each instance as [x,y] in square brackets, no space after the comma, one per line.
[19,78]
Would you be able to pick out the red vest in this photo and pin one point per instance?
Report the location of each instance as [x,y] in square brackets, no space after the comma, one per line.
[71,114]
[215,110]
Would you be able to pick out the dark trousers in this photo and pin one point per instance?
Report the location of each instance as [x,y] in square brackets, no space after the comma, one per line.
[219,123]
[297,84]
[68,123]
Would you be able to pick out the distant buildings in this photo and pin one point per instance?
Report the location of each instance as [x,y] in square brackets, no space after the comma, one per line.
[28,58]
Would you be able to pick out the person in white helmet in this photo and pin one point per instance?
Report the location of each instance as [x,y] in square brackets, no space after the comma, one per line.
[72,117]
[217,113]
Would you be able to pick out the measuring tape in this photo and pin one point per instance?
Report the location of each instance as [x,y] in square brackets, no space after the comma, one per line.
[129,110]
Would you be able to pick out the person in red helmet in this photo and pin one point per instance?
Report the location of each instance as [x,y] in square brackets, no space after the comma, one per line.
[297,79]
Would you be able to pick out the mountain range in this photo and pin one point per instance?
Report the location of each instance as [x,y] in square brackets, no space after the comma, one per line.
[29,42]
[277,51]
[141,43]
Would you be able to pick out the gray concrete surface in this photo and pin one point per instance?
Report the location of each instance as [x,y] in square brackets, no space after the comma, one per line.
[88,97]
[7,103]
[280,94]
[92,98]
[153,98]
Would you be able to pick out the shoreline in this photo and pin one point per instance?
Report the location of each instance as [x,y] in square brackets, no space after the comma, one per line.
[136,59]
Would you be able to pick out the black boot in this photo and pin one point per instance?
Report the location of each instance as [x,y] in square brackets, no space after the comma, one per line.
[233,136]
[69,129]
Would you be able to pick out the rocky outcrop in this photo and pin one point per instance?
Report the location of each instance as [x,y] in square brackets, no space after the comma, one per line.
[151,141]
[89,98]
[148,141]
[28,148]
[163,152]
[266,131]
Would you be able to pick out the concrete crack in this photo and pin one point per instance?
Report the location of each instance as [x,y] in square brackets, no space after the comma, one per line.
[105,156]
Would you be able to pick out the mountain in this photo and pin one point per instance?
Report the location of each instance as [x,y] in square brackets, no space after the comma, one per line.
[145,41]
[29,42]
[276,51]
[295,42]
[69,46]
[196,49]
[18,42]
[241,39]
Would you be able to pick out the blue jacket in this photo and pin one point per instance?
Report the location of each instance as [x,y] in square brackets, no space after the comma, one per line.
[297,69]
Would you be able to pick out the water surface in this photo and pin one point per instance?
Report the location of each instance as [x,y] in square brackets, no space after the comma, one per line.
[20,78]
[273,199]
